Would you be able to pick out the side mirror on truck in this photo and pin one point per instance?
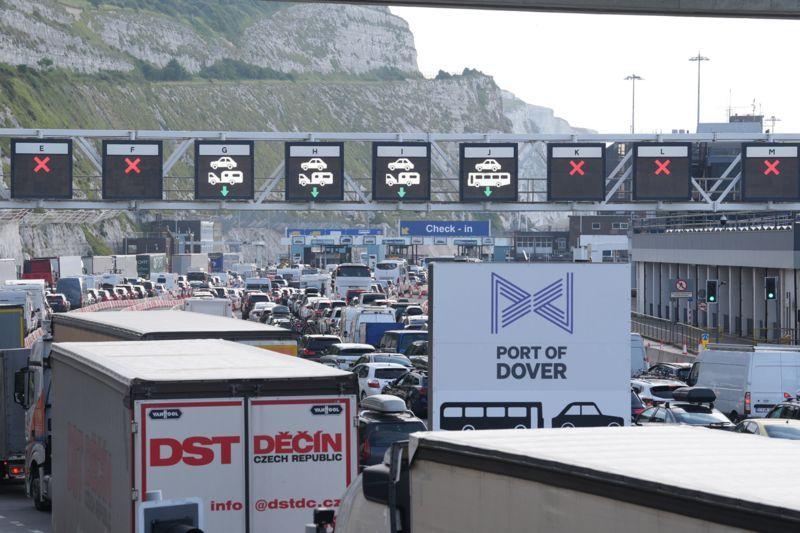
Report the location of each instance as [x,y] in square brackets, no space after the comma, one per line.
[22,392]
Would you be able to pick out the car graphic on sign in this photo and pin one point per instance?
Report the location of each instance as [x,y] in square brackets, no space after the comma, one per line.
[489,165]
[584,415]
[231,177]
[314,164]
[224,162]
[317,178]
[401,164]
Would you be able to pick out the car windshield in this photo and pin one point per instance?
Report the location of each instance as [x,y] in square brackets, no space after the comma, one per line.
[317,344]
[353,271]
[407,338]
[698,415]
[384,435]
[386,266]
[389,373]
[663,391]
[683,373]
[355,351]
[259,298]
[781,431]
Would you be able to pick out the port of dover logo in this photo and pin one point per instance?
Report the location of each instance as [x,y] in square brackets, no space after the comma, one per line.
[554,303]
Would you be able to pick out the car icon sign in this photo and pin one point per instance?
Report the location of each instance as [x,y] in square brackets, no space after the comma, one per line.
[224,162]
[314,164]
[488,165]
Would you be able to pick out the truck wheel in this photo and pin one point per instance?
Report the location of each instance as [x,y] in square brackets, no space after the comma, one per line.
[36,494]
[567,425]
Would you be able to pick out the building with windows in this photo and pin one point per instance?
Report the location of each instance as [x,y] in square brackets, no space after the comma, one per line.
[741,255]
[541,246]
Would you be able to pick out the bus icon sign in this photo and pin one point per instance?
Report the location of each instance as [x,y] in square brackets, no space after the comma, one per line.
[488,172]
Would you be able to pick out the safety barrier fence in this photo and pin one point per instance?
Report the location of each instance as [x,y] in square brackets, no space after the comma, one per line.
[161,302]
[676,334]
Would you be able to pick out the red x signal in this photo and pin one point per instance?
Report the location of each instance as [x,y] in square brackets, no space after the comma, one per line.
[772,167]
[133,166]
[41,164]
[577,168]
[662,168]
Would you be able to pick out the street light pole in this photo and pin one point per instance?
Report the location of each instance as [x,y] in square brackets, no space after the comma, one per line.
[633,78]
[699,58]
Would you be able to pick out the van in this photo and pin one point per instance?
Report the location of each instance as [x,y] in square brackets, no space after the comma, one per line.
[35,289]
[638,355]
[748,380]
[398,341]
[73,288]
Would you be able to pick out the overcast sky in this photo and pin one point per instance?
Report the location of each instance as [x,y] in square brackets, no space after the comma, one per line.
[575,64]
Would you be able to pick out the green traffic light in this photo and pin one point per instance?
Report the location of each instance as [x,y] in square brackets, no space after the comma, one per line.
[712,299]
[770,295]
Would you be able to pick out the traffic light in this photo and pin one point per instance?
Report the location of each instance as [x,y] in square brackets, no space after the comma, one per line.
[711,291]
[771,288]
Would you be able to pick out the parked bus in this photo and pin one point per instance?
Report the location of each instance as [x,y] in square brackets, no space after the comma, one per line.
[390,269]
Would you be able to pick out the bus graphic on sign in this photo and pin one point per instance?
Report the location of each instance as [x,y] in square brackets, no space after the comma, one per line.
[467,416]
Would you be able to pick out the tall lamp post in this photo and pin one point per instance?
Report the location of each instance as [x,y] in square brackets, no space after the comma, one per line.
[633,78]
[699,58]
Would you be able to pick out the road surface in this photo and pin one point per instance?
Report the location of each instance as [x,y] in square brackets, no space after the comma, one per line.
[17,514]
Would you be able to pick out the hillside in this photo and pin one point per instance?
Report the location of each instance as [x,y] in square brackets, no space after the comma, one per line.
[148,64]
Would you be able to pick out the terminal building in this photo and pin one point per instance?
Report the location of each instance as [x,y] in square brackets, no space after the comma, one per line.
[745,253]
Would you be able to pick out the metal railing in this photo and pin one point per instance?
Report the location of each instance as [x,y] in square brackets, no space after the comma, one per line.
[667,332]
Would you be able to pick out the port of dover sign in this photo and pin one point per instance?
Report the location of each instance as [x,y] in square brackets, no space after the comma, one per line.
[529,345]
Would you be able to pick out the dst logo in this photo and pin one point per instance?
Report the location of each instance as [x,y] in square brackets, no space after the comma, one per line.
[544,303]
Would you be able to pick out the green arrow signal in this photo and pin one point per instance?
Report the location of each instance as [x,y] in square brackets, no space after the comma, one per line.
[314,192]
[401,192]
[487,191]
[224,190]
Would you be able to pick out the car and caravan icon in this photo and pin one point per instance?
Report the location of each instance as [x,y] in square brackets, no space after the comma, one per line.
[320,177]
[403,178]
[488,174]
[228,176]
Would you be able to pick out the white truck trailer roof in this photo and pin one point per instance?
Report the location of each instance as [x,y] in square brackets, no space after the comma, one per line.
[177,361]
[715,468]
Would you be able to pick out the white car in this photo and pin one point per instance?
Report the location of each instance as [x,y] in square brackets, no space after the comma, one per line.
[489,165]
[402,164]
[373,377]
[317,178]
[224,162]
[230,177]
[652,390]
[314,164]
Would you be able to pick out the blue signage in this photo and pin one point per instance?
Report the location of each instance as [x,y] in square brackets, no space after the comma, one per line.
[442,228]
[317,232]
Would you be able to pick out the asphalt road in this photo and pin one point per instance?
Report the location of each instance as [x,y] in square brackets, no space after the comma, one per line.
[17,514]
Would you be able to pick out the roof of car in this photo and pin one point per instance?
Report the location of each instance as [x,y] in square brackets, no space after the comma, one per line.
[774,421]
[766,482]
[405,331]
[353,345]
[383,365]
[317,336]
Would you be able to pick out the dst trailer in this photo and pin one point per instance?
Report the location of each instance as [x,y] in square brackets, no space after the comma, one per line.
[259,437]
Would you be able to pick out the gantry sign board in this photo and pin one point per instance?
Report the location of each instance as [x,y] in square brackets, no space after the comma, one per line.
[132,170]
[401,171]
[488,172]
[576,172]
[770,172]
[224,170]
[662,171]
[544,345]
[314,172]
[41,168]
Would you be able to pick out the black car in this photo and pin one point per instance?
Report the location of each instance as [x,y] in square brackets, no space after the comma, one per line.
[315,346]
[413,389]
[584,415]
[679,371]
[788,409]
[383,421]
[417,348]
